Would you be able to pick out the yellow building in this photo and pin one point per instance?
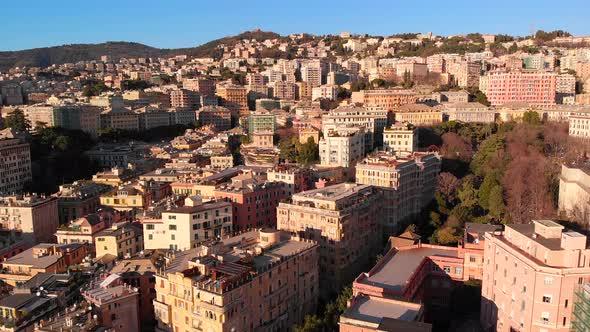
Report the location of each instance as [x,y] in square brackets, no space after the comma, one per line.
[119,241]
[256,281]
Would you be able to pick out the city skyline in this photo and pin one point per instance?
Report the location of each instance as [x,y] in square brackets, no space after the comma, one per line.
[69,23]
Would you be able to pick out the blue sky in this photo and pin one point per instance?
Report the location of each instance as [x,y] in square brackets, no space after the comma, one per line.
[186,23]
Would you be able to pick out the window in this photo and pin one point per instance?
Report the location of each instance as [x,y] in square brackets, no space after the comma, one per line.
[459,270]
[548,281]
[150,237]
[545,317]
[149,227]
[472,259]
[172,237]
[447,269]
[546,298]
[172,227]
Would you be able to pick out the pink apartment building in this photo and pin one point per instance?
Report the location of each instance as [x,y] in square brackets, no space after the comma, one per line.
[529,86]
[530,274]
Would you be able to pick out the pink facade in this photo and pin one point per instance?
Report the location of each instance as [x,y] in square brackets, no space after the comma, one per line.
[530,274]
[533,87]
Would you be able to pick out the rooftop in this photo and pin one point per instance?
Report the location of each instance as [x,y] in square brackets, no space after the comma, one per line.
[397,270]
[373,310]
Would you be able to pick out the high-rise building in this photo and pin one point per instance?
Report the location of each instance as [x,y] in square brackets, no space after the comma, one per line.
[530,274]
[284,90]
[262,122]
[218,116]
[257,281]
[235,98]
[312,75]
[185,99]
[15,162]
[345,219]
[203,86]
[372,119]
[407,184]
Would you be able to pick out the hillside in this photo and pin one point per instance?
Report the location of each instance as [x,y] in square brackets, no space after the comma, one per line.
[42,57]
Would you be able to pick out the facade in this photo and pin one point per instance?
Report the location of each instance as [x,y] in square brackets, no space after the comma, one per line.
[530,275]
[387,99]
[222,162]
[262,122]
[534,87]
[200,85]
[579,126]
[293,180]
[185,99]
[372,119]
[254,201]
[418,115]
[115,304]
[119,241]
[79,199]
[574,193]
[186,227]
[218,116]
[284,90]
[234,98]
[400,137]
[256,281]
[469,113]
[15,162]
[345,219]
[35,217]
[407,184]
[329,92]
[343,146]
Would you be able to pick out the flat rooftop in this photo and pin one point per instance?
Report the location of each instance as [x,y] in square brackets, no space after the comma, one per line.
[332,193]
[395,273]
[373,310]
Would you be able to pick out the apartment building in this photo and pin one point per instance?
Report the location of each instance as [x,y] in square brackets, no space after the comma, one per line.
[115,304]
[465,73]
[43,258]
[78,199]
[329,92]
[579,126]
[418,115]
[530,275]
[185,99]
[222,162]
[342,146]
[574,193]
[15,162]
[254,201]
[312,76]
[407,184]
[119,241]
[217,116]
[34,216]
[234,98]
[202,86]
[292,179]
[186,227]
[262,122]
[400,137]
[534,87]
[469,112]
[261,280]
[284,90]
[387,99]
[345,219]
[372,119]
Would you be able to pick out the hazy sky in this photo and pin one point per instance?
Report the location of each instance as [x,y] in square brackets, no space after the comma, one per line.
[186,23]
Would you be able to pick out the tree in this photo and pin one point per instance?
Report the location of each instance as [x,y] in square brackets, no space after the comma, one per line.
[468,194]
[17,121]
[455,147]
[531,117]
[485,189]
[447,184]
[288,149]
[307,153]
[496,204]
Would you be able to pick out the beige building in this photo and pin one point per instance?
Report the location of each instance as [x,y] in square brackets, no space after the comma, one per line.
[530,274]
[218,116]
[306,133]
[579,126]
[222,162]
[234,98]
[345,219]
[407,184]
[186,227]
[35,217]
[15,162]
[257,281]
[418,115]
[119,241]
[388,99]
[263,140]
[342,147]
[574,193]
[372,119]
[400,137]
